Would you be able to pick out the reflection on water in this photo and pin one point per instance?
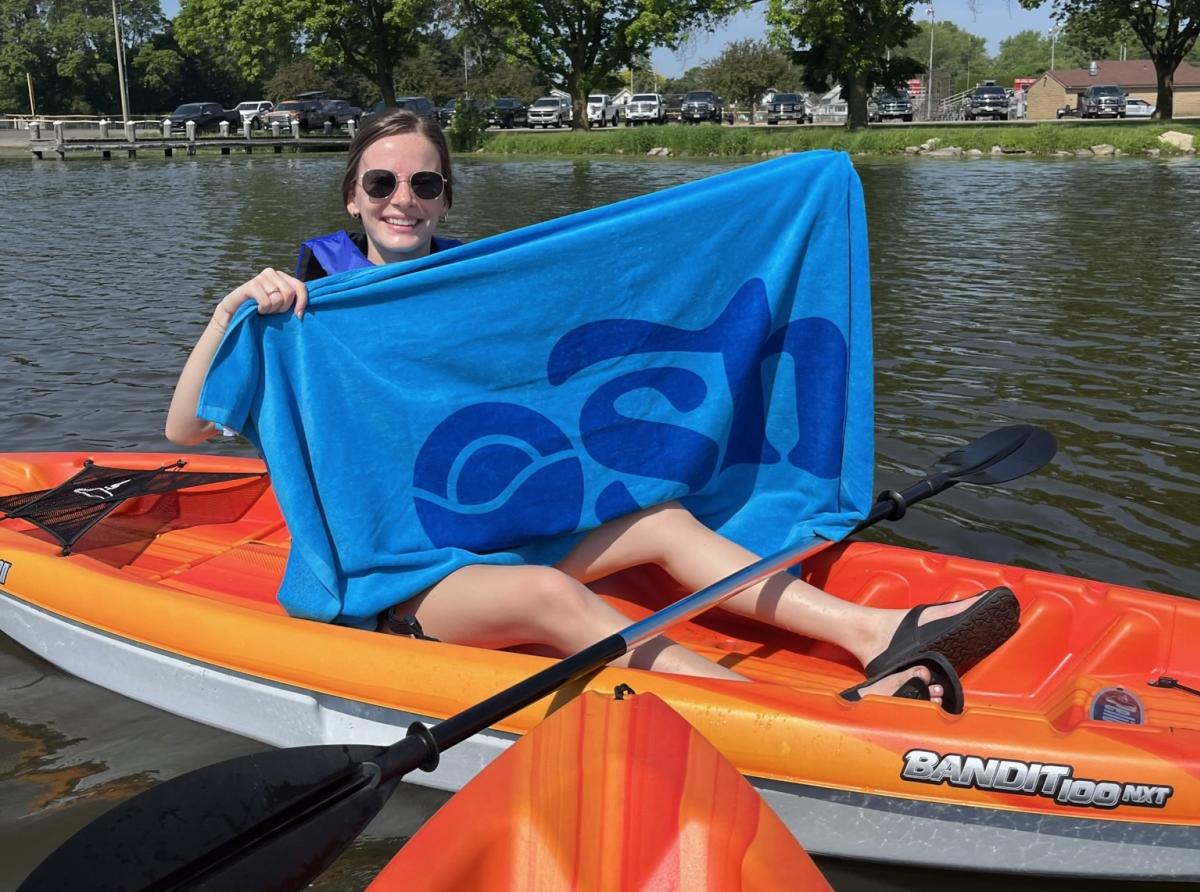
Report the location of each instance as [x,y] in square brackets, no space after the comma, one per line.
[1057,293]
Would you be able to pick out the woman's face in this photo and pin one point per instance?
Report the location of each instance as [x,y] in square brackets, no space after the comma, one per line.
[399,226]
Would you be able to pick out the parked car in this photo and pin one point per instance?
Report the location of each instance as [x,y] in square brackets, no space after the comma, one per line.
[892,105]
[418,105]
[549,110]
[1067,111]
[701,105]
[305,108]
[673,104]
[1101,100]
[508,112]
[988,100]
[1138,108]
[339,111]
[205,115]
[788,107]
[254,112]
[601,111]
[646,108]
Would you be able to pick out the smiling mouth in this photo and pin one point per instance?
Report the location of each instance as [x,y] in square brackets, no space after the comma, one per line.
[403,222]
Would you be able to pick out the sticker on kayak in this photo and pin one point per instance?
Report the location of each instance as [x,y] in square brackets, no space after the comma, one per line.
[1055,782]
[5,566]
[1117,705]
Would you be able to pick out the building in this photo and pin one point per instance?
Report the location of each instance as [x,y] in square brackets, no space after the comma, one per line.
[1136,77]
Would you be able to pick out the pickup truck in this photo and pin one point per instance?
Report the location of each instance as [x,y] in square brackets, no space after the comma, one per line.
[646,108]
[550,110]
[304,108]
[701,105]
[988,100]
[205,115]
[601,111]
[1102,99]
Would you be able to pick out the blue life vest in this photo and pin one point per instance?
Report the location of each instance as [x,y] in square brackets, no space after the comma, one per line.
[341,251]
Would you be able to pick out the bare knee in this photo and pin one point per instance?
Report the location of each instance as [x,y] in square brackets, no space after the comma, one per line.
[663,530]
[556,607]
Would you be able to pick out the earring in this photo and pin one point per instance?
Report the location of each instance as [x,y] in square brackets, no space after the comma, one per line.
[444,217]
[354,214]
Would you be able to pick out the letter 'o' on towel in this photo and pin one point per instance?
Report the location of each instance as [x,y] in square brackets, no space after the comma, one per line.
[492,402]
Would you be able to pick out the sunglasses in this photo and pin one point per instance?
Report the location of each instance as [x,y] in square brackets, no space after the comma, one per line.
[426,184]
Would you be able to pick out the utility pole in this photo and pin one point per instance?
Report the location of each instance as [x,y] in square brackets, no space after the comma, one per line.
[32,107]
[1054,32]
[120,64]
[929,73]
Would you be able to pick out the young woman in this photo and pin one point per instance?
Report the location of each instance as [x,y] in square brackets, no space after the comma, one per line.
[398,184]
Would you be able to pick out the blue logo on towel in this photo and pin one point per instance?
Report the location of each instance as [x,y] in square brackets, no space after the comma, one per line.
[496,474]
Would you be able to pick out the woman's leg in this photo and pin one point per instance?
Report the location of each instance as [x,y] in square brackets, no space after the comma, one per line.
[490,606]
[695,556]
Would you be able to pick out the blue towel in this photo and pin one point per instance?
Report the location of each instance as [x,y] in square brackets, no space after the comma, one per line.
[490,403]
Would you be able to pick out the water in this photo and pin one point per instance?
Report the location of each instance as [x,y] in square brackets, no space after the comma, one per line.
[1006,291]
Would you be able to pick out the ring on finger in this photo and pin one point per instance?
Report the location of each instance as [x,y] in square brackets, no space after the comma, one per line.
[273,291]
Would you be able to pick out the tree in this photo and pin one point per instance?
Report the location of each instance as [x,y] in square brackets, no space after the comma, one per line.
[847,42]
[369,37]
[746,69]
[68,49]
[579,44]
[1166,28]
[959,56]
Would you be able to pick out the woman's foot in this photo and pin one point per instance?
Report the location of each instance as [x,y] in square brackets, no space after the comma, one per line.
[888,686]
[964,631]
[927,676]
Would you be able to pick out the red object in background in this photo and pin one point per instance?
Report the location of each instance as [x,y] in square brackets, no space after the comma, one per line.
[916,86]
[1023,83]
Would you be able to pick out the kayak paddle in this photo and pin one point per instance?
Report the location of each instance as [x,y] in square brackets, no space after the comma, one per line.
[275,820]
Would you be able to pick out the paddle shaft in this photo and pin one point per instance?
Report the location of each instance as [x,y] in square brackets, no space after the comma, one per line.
[474,719]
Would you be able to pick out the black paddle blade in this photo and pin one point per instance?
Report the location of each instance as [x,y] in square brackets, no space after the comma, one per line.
[272,820]
[1002,455]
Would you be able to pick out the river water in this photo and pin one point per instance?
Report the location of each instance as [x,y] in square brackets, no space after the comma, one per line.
[1059,293]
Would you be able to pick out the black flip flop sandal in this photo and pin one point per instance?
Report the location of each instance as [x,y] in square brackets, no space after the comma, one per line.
[941,672]
[965,638]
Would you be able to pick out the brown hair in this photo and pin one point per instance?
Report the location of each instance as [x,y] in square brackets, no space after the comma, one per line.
[395,122]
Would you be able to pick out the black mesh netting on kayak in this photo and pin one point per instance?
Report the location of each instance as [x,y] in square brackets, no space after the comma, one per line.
[71,509]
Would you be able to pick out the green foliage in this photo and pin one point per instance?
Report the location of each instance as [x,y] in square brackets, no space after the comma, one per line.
[369,37]
[467,128]
[1166,29]
[578,45]
[1040,140]
[746,69]
[846,42]
[298,76]
[960,59]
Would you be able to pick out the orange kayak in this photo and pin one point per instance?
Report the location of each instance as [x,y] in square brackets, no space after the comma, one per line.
[606,794]
[1073,755]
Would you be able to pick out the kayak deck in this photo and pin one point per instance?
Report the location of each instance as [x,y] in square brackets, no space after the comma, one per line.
[201,597]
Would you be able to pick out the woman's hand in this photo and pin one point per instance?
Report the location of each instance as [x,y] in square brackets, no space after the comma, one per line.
[272,290]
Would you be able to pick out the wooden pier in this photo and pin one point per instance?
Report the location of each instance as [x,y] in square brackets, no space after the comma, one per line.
[128,142]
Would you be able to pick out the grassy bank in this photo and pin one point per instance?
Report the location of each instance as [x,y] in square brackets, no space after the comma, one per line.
[709,140]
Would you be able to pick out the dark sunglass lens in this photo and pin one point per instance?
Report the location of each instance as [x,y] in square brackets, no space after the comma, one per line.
[426,184]
[379,183]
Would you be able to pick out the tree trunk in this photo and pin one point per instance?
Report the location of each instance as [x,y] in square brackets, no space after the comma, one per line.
[386,81]
[1165,103]
[856,102]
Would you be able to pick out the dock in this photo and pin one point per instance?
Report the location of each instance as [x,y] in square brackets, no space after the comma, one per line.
[59,142]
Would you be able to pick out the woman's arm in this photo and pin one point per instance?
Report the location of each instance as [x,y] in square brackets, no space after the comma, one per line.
[274,292]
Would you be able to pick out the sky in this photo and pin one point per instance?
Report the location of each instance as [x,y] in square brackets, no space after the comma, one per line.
[992,19]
